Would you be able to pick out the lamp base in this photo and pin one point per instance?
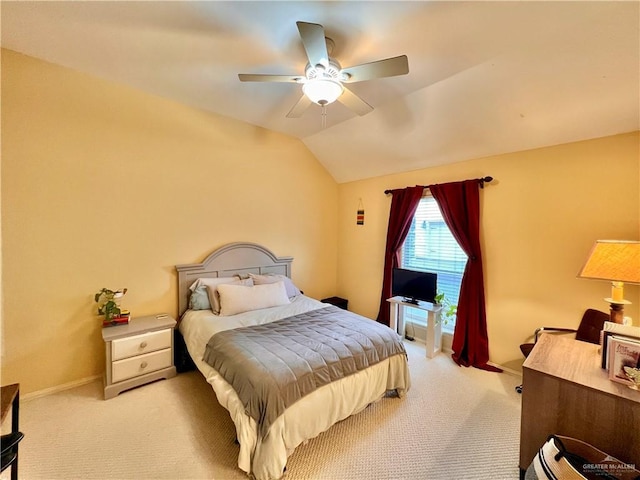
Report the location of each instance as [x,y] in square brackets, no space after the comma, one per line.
[616,309]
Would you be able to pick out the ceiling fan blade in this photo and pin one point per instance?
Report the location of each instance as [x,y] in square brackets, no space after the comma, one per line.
[389,67]
[315,45]
[300,107]
[250,77]
[354,102]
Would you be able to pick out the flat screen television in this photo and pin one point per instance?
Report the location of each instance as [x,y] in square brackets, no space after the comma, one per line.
[413,285]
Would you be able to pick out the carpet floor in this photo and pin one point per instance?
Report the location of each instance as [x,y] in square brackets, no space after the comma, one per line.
[455,423]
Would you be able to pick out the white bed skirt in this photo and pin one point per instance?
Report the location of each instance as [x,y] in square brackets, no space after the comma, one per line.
[266,458]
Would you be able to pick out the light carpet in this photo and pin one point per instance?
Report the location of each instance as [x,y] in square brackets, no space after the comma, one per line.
[455,423]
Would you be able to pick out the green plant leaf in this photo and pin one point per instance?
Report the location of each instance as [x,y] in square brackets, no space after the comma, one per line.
[106,303]
[449,310]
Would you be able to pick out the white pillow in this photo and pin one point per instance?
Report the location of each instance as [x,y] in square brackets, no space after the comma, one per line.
[212,288]
[211,281]
[214,292]
[236,299]
[292,290]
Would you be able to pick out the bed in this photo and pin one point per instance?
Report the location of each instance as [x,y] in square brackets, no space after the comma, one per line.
[264,448]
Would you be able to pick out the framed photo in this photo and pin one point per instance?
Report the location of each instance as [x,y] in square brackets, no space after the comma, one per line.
[617,329]
[623,352]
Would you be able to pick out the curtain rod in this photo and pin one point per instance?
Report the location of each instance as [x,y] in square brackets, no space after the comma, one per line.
[481,181]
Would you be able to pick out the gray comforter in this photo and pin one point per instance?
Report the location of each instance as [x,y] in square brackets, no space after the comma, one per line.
[274,365]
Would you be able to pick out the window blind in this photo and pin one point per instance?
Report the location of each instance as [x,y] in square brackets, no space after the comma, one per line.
[430,246]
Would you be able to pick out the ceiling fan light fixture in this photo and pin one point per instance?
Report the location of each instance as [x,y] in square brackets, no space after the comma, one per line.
[323,91]
[323,79]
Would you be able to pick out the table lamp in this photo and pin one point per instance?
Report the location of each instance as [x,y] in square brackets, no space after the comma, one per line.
[617,261]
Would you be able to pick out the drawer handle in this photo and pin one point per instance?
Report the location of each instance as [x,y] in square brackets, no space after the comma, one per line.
[143,345]
[143,365]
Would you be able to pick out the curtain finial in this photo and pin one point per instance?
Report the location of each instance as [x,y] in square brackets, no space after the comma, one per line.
[486,179]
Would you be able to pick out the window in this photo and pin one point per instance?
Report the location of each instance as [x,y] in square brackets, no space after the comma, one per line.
[430,246]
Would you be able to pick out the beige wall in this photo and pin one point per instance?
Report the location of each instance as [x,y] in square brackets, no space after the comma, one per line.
[104,186]
[540,217]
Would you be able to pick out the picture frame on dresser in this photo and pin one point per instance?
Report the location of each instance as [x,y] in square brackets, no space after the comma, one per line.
[625,331]
[622,352]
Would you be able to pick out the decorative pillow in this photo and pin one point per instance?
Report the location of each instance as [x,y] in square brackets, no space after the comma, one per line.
[236,299]
[292,290]
[199,299]
[211,281]
[209,286]
[214,290]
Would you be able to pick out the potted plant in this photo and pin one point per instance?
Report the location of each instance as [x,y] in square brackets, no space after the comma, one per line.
[449,310]
[109,303]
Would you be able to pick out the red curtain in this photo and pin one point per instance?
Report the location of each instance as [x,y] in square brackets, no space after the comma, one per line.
[403,206]
[459,203]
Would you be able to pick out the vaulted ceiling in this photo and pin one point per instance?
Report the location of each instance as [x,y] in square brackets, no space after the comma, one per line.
[484,77]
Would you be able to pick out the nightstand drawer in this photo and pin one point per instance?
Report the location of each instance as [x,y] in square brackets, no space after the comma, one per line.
[138,344]
[141,364]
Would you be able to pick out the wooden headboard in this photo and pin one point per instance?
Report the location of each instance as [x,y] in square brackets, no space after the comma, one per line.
[240,258]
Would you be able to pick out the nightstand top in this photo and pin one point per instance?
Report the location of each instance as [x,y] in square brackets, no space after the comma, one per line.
[139,325]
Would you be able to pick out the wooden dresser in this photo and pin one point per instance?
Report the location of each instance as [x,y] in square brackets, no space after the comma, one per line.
[566,392]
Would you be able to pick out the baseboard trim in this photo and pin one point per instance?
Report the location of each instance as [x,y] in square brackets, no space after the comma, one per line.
[446,349]
[59,388]
[84,381]
[508,370]
[447,339]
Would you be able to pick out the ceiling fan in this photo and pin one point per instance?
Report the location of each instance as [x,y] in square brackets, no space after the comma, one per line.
[323,80]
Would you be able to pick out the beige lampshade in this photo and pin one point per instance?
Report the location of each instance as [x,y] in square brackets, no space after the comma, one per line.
[615,260]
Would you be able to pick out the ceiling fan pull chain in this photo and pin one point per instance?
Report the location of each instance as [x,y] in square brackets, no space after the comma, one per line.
[324,116]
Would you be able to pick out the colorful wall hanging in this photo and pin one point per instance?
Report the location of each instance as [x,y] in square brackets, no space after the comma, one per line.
[360,215]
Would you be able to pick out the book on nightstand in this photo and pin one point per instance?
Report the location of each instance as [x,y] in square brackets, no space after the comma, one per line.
[122,319]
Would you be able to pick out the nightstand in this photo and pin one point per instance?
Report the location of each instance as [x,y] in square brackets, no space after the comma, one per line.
[337,301]
[138,353]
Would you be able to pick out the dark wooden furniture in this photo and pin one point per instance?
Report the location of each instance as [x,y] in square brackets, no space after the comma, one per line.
[337,301]
[566,392]
[10,399]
